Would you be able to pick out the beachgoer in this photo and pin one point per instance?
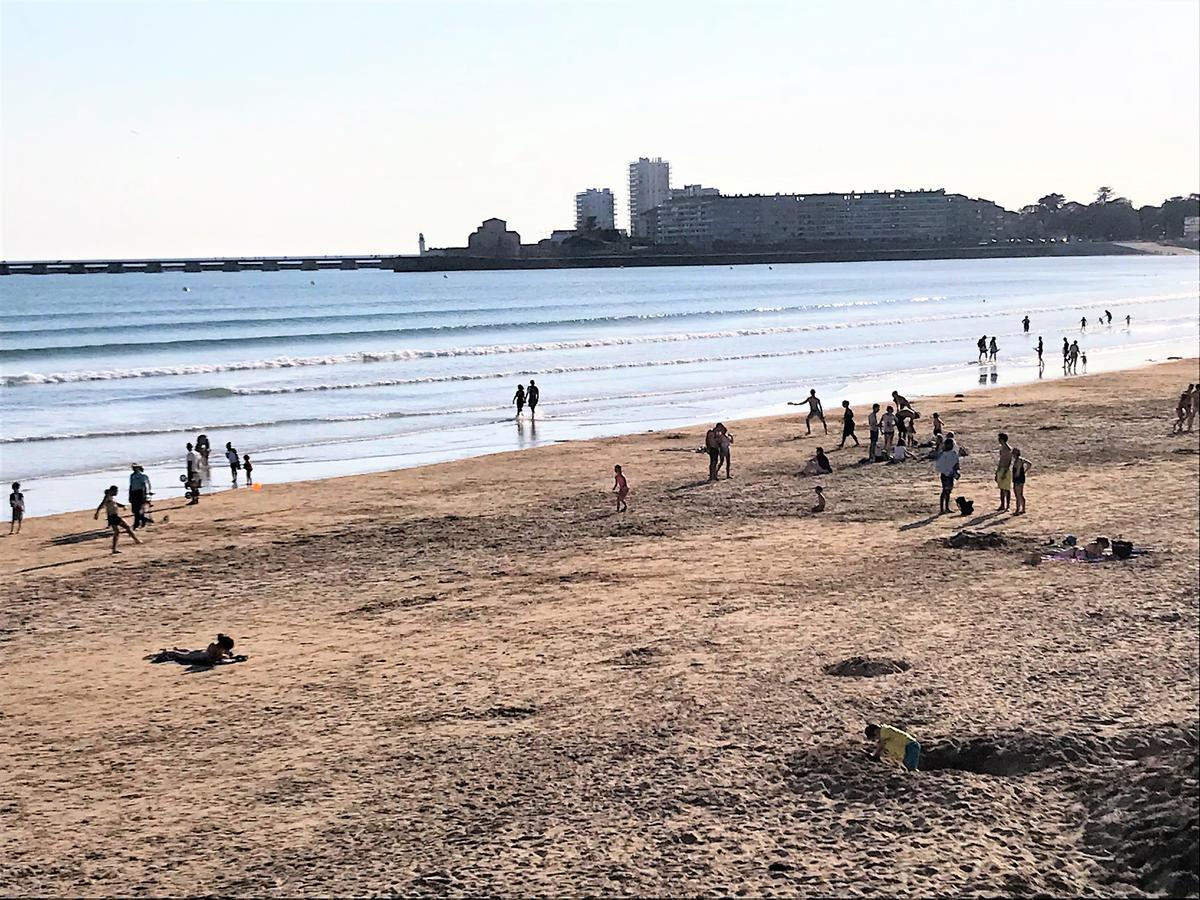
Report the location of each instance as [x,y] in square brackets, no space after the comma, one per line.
[899,453]
[1183,410]
[532,395]
[139,493]
[1004,473]
[847,425]
[193,463]
[982,345]
[724,449]
[895,744]
[815,410]
[888,423]
[1025,324]
[873,424]
[1094,549]
[1127,320]
[213,654]
[234,463]
[712,446]
[1083,323]
[907,422]
[937,431]
[818,465]
[1194,408]
[820,504]
[1108,315]
[247,468]
[992,349]
[203,447]
[1083,359]
[1020,467]
[519,399]
[1066,353]
[112,509]
[900,400]
[947,467]
[1038,348]
[16,505]
[620,488]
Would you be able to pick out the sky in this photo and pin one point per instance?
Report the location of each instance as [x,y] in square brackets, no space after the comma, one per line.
[220,128]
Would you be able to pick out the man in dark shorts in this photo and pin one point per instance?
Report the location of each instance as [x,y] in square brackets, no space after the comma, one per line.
[531,397]
[847,425]
[139,491]
[1025,323]
[873,422]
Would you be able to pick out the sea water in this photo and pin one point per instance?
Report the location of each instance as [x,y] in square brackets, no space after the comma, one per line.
[328,373]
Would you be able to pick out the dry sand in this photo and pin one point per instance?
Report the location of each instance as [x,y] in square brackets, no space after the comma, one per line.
[475,678]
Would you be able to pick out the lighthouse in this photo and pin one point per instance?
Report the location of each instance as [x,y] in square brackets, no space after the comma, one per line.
[421,243]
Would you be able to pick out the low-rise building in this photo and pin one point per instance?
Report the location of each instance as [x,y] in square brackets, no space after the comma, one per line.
[493,239]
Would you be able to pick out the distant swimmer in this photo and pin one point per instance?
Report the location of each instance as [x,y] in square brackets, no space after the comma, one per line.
[1127,321]
[620,488]
[815,410]
[982,345]
[112,509]
[519,399]
[531,397]
[1025,324]
[185,290]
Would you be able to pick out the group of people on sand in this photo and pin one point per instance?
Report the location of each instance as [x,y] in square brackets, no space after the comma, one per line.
[1186,409]
[196,462]
[527,395]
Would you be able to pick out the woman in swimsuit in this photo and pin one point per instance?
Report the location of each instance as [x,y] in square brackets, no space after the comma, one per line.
[112,508]
[214,653]
[1020,466]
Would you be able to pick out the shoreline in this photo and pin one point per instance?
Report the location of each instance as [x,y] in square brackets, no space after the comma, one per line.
[476,678]
[554,431]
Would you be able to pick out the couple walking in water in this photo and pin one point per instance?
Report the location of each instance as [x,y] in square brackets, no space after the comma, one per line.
[525,395]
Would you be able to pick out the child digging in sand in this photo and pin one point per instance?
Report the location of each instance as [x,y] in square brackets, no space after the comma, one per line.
[894,744]
[620,488]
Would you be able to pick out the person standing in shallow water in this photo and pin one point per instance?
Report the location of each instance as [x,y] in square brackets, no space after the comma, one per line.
[532,395]
[1025,324]
[1038,348]
[235,461]
[519,399]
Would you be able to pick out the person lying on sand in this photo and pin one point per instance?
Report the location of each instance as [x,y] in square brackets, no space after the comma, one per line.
[1095,548]
[895,745]
[214,653]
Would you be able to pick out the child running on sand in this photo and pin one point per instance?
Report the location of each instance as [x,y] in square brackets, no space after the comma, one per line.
[16,502]
[111,507]
[620,488]
[894,744]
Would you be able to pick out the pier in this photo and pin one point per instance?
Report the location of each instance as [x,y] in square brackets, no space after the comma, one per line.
[196,264]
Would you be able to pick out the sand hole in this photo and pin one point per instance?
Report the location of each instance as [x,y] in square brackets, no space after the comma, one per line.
[638,656]
[510,712]
[975,540]
[1005,757]
[866,667]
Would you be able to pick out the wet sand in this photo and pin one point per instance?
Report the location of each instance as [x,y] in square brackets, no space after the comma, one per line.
[476,678]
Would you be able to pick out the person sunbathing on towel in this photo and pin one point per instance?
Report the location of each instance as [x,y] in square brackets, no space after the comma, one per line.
[216,652]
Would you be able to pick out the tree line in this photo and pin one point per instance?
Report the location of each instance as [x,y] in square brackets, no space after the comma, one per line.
[1107,218]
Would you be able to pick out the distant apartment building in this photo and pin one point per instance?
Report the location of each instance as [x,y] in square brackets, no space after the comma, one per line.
[708,219]
[649,186]
[493,239]
[1191,227]
[594,210]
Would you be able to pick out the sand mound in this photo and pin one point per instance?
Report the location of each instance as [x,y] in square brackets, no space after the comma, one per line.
[975,540]
[866,667]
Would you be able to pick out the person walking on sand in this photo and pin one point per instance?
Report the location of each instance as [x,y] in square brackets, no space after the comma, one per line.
[532,395]
[946,465]
[992,349]
[234,461]
[519,399]
[1020,467]
[16,505]
[1183,410]
[620,488]
[1004,474]
[1025,324]
[847,425]
[112,509]
[982,345]
[724,449]
[896,745]
[139,493]
[873,425]
[712,446]
[888,424]
[815,410]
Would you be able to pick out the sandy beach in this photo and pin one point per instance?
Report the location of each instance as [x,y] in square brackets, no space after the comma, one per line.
[475,678]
